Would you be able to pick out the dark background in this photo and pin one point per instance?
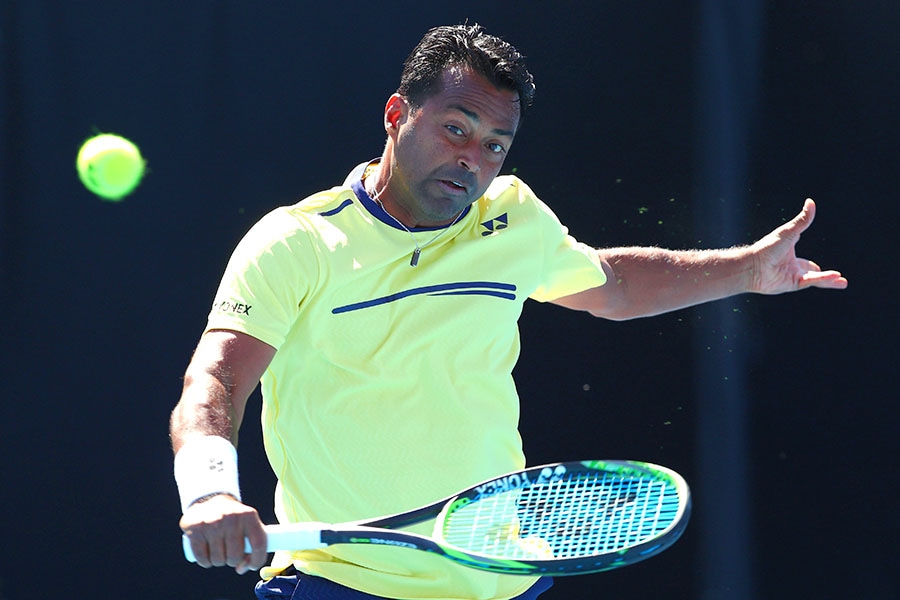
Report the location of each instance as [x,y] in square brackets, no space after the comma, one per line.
[780,411]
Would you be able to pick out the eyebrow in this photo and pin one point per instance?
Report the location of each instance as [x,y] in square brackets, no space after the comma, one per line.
[475,117]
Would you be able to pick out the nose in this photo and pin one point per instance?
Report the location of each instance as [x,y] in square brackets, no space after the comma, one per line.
[471,167]
[468,161]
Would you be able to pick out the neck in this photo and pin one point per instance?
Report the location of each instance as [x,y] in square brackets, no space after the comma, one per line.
[378,186]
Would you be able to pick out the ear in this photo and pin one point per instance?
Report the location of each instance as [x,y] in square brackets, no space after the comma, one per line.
[396,112]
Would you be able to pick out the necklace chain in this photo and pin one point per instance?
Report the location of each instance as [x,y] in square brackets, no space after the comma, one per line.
[414,259]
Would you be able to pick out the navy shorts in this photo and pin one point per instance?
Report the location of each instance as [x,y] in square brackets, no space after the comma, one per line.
[307,587]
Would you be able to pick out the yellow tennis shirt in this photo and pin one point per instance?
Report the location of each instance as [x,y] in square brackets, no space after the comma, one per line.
[391,386]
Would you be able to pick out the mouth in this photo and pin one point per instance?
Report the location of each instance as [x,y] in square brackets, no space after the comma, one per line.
[454,186]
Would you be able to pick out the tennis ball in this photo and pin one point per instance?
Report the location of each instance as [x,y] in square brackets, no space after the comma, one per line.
[110,166]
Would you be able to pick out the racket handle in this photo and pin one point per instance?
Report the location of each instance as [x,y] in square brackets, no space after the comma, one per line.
[295,536]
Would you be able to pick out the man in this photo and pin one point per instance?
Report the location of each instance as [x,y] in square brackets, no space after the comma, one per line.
[381,316]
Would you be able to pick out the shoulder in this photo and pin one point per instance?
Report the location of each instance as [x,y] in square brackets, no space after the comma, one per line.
[507,187]
[322,204]
[305,216]
[284,230]
[509,192]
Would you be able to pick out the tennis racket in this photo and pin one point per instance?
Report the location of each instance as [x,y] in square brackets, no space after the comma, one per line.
[559,519]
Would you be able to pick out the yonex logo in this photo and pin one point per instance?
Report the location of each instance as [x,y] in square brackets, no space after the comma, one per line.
[492,225]
[234,307]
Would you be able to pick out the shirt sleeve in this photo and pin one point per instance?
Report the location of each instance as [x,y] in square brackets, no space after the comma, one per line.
[569,266]
[266,279]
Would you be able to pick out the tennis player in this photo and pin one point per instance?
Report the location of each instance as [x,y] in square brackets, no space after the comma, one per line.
[381,316]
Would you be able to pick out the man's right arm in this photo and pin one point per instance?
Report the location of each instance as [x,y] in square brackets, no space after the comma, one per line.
[224,371]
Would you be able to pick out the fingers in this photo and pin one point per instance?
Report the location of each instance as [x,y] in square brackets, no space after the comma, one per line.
[803,220]
[224,532]
[233,549]
[824,279]
[227,548]
[213,547]
[816,277]
[253,551]
[257,540]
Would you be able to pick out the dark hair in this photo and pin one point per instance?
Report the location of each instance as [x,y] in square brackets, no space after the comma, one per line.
[464,45]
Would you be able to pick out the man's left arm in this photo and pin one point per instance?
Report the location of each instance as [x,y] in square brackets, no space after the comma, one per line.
[649,281]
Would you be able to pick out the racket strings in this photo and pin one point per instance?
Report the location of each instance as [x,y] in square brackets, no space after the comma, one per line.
[576,515]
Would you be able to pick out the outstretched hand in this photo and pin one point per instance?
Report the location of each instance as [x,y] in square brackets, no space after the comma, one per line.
[779,270]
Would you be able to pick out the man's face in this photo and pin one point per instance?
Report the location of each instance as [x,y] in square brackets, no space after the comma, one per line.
[447,151]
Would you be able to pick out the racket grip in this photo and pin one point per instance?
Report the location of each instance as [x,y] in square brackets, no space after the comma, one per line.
[294,536]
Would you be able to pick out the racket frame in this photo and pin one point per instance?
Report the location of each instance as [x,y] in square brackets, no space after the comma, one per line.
[383,530]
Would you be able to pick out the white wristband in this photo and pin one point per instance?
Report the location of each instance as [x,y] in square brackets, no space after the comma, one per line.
[205,466]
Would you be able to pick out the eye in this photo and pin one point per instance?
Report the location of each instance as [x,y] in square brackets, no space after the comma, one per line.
[496,148]
[455,130]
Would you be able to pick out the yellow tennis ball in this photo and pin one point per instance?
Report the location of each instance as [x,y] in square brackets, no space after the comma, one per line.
[110,166]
